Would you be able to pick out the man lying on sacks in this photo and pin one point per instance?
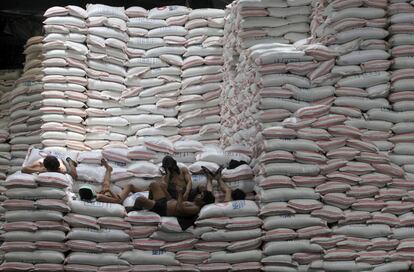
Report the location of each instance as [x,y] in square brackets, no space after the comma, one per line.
[52,164]
[229,194]
[87,193]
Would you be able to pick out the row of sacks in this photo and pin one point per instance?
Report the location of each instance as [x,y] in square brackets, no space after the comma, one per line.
[134,61]
[381,60]
[25,109]
[34,230]
[7,82]
[65,77]
[323,183]
[227,234]
[277,80]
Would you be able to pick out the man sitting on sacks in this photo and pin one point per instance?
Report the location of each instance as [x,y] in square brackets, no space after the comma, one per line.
[229,194]
[176,177]
[52,164]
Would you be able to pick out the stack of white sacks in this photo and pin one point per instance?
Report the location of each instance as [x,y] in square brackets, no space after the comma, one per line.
[230,239]
[155,51]
[106,60]
[255,25]
[7,83]
[357,33]
[273,82]
[34,230]
[64,67]
[201,76]
[97,238]
[330,198]
[264,22]
[401,92]
[25,103]
[352,204]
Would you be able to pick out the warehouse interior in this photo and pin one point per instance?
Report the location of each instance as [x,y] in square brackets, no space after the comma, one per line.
[196,136]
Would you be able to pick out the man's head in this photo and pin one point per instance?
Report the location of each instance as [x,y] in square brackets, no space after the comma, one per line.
[51,163]
[204,198]
[238,195]
[87,193]
[170,165]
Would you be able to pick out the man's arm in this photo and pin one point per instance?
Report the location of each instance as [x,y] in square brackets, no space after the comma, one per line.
[189,183]
[185,208]
[225,189]
[37,167]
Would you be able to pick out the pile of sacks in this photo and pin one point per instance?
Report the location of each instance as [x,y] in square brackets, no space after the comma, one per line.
[250,23]
[331,200]
[7,83]
[201,76]
[401,93]
[97,238]
[230,237]
[274,81]
[64,76]
[25,104]
[156,47]
[357,33]
[34,230]
[106,60]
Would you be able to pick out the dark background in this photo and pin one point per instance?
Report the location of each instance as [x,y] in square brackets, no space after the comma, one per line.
[22,19]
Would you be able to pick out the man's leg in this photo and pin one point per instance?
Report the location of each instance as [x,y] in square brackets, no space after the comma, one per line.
[106,185]
[107,198]
[106,195]
[126,191]
[71,168]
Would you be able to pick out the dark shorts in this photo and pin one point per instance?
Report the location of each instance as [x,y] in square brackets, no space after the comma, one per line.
[160,207]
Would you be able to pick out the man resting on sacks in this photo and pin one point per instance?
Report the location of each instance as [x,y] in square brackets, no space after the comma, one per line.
[229,194]
[52,164]
[163,204]
[87,193]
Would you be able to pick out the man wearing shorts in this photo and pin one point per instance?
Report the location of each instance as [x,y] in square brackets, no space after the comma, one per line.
[52,164]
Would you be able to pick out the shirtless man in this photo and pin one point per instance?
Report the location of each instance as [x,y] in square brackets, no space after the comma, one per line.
[175,177]
[164,205]
[229,194]
[52,164]
[106,195]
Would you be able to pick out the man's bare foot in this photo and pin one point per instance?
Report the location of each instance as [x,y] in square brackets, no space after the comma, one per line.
[71,162]
[105,164]
[217,174]
[207,171]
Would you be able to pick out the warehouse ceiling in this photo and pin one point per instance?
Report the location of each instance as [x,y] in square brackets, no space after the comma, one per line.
[22,19]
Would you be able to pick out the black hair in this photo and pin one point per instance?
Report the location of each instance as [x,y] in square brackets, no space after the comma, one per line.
[169,163]
[51,163]
[208,197]
[238,195]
